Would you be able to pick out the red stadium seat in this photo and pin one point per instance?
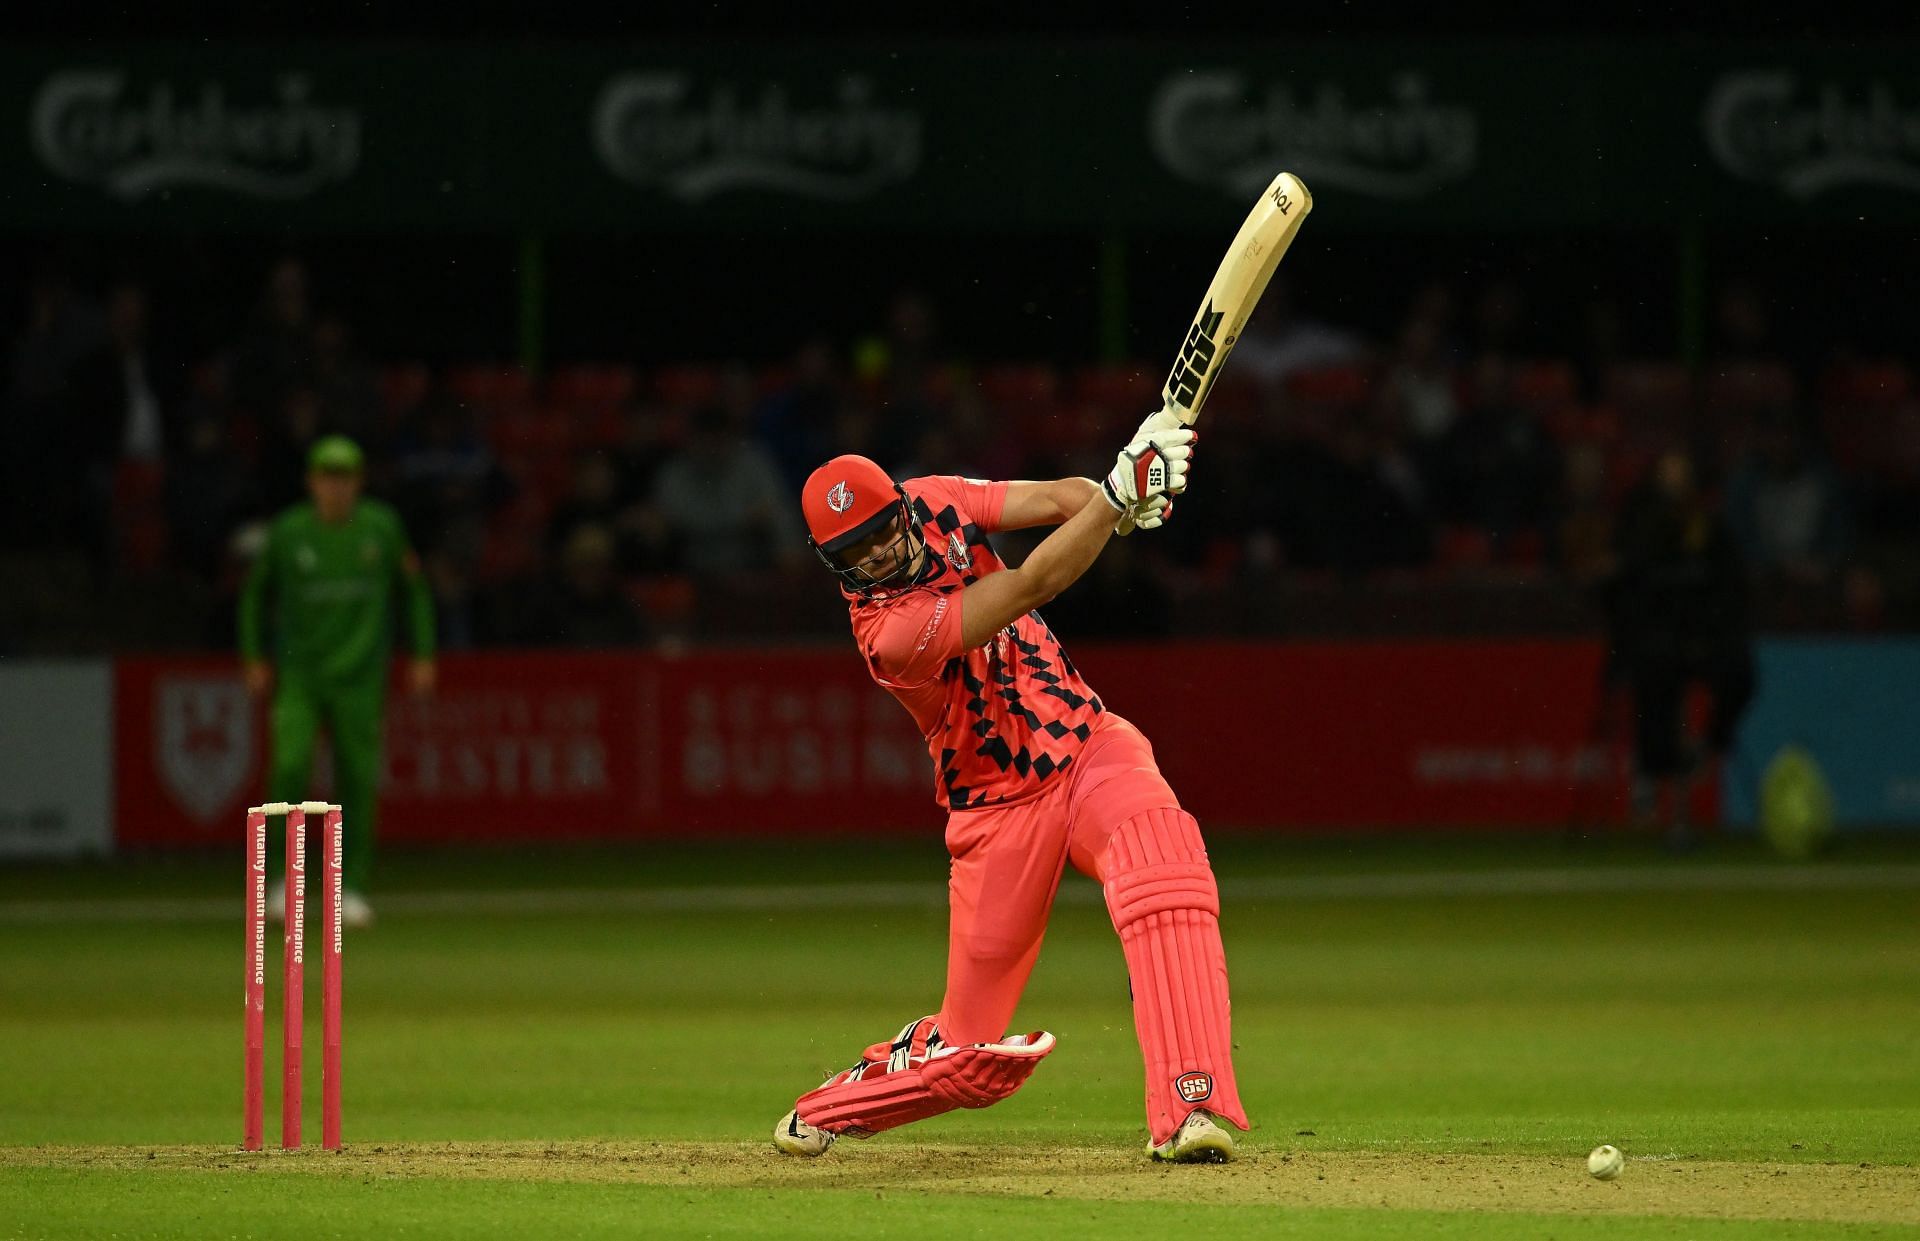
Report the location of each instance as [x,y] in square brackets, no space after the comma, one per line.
[1748,387]
[687,385]
[771,380]
[1020,385]
[491,387]
[1464,547]
[1545,387]
[1345,386]
[1650,388]
[668,600]
[1122,385]
[402,387]
[590,388]
[139,516]
[1866,383]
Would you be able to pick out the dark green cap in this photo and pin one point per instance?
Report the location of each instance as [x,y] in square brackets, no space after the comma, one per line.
[335,454]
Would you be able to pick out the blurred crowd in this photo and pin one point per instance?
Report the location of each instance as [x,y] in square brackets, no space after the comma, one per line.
[605,504]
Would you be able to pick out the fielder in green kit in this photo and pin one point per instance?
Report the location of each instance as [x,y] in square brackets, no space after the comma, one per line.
[324,585]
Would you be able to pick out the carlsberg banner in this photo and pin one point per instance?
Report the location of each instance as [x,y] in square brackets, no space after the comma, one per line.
[952,136]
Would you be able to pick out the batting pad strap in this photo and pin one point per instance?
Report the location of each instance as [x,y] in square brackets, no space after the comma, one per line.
[1162,889]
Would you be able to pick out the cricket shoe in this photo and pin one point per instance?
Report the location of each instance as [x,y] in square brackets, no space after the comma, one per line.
[793,1136]
[1197,1140]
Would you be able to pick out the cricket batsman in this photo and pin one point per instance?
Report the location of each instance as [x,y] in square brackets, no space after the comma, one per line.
[1035,773]
[326,581]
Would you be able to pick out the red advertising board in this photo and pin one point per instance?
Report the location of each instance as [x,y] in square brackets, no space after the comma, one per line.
[509,746]
[759,741]
[1359,735]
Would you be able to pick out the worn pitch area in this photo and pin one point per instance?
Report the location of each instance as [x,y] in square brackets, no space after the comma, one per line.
[1860,1193]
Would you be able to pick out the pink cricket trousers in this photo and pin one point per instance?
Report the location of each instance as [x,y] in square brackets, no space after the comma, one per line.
[1007,864]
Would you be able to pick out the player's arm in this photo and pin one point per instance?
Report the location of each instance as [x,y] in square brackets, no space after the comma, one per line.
[422,674]
[1043,504]
[999,599]
[251,619]
[1147,473]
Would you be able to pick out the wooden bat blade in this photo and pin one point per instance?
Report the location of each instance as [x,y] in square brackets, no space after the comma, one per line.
[1243,276]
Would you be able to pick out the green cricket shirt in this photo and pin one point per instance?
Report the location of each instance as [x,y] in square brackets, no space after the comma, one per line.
[331,588]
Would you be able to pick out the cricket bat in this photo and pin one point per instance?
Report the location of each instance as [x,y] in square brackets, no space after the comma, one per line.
[1256,251]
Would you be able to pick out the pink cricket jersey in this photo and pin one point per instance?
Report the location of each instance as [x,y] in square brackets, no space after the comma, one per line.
[1001,720]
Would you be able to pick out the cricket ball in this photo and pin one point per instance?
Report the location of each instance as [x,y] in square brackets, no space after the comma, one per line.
[1605,1162]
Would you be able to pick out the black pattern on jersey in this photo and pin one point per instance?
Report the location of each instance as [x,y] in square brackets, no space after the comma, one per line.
[1014,737]
[1024,711]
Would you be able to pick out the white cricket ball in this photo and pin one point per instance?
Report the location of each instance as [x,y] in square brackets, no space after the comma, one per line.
[1605,1162]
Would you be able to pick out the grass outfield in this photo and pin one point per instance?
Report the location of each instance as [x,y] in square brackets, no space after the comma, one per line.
[1430,1039]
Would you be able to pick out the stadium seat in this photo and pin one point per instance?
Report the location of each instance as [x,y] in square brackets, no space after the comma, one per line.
[491,387]
[1122,385]
[1736,390]
[1020,385]
[1345,386]
[1656,389]
[1545,387]
[1883,384]
[772,380]
[687,385]
[591,388]
[1464,547]
[668,600]
[402,387]
[139,516]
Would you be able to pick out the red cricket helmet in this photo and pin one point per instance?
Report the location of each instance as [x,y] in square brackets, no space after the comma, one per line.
[847,500]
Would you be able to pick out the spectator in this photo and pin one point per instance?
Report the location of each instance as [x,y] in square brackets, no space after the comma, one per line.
[1500,320]
[122,395]
[1120,597]
[121,404]
[649,435]
[275,355]
[797,422]
[593,500]
[345,383]
[1585,535]
[1787,506]
[1744,328]
[1602,347]
[904,363]
[1419,387]
[447,475]
[1505,460]
[38,452]
[1343,505]
[1679,611]
[287,434]
[722,505]
[585,606]
[207,493]
[1279,341]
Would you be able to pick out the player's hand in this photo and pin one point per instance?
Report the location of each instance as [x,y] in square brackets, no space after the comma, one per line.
[1149,514]
[422,676]
[258,675]
[1151,465]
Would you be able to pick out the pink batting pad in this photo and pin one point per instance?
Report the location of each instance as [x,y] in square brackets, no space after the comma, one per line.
[916,1077]
[1161,893]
